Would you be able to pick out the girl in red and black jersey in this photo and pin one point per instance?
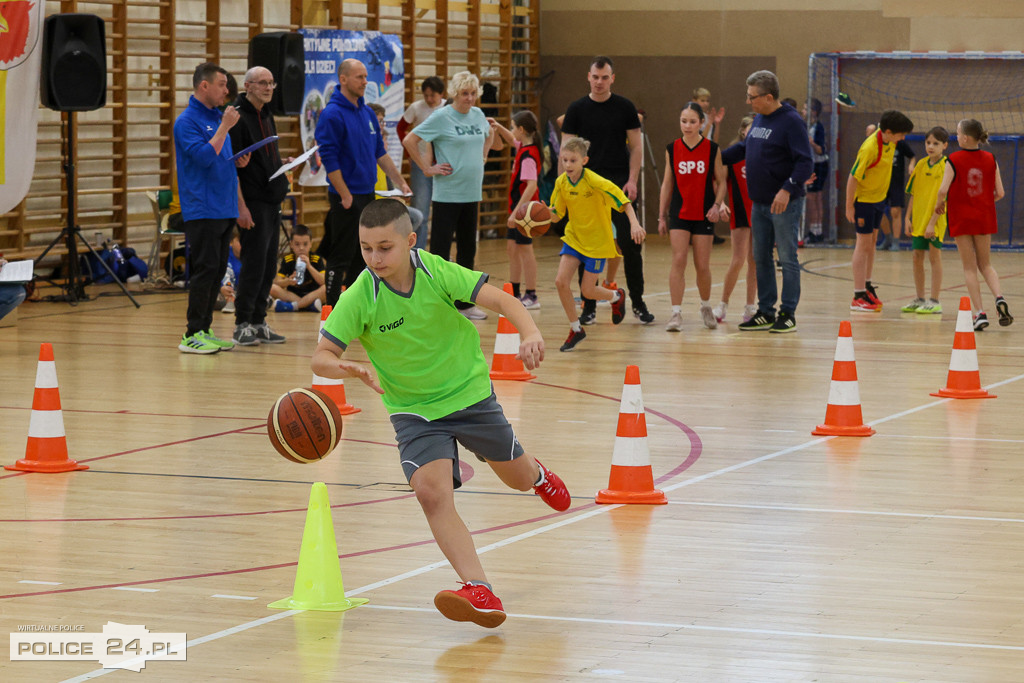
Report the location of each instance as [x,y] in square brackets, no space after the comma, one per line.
[739,224]
[522,189]
[692,200]
[973,186]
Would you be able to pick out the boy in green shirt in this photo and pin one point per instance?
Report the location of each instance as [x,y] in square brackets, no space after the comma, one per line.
[434,382]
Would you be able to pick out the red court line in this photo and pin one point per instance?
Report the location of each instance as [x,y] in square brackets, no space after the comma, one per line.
[695,450]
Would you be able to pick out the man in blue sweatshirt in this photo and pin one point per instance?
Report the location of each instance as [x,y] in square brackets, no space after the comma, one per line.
[778,164]
[351,148]
[208,188]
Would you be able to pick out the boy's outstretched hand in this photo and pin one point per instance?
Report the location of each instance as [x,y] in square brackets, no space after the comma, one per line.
[531,351]
[360,372]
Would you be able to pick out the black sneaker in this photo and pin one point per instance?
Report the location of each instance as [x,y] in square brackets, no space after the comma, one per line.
[265,335]
[980,322]
[783,323]
[589,313]
[619,307]
[642,314]
[573,339]
[1005,319]
[761,321]
[245,335]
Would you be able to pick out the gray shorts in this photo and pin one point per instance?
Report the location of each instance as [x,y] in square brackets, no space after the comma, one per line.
[481,429]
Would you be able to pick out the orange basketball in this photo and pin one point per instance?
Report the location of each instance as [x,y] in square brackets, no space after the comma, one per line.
[304,425]
[533,219]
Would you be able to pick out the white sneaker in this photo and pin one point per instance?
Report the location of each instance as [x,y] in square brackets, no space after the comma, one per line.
[749,311]
[675,323]
[708,316]
[229,307]
[719,311]
[474,313]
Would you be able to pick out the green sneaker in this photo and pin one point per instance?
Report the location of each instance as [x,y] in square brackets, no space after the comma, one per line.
[219,343]
[913,306]
[930,306]
[197,343]
[845,100]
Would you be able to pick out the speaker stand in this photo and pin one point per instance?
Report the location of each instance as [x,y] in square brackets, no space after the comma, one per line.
[73,289]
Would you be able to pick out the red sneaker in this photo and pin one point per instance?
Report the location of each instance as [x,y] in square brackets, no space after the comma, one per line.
[552,490]
[573,339]
[619,307]
[474,603]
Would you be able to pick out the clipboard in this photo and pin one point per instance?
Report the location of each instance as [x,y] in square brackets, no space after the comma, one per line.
[253,147]
[301,159]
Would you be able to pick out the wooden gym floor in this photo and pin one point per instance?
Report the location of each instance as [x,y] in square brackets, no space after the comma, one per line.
[780,556]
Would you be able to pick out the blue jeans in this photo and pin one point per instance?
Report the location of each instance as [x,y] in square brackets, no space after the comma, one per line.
[11,294]
[776,230]
[422,188]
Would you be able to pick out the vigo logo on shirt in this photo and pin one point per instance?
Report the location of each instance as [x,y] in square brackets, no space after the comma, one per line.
[387,327]
[687,167]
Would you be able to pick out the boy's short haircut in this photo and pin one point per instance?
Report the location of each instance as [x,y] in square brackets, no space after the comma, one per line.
[939,133]
[378,109]
[386,211]
[895,122]
[577,145]
[601,62]
[790,101]
[207,71]
[301,230]
[699,93]
[433,83]
[766,83]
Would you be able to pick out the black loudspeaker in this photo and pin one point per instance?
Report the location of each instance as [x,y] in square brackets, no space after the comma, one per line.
[74,76]
[283,54]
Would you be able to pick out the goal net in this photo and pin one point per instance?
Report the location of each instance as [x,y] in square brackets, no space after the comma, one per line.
[933,89]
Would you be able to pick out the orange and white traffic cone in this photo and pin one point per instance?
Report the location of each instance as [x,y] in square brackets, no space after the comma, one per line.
[631,479]
[505,365]
[964,379]
[843,415]
[47,447]
[335,388]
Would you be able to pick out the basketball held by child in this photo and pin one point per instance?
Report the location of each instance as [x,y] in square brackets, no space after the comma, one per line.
[533,219]
[304,425]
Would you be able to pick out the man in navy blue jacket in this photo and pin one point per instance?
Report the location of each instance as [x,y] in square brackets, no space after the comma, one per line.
[351,148]
[778,164]
[208,187]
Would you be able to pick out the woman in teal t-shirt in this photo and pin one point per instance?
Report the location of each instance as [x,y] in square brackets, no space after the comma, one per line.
[459,137]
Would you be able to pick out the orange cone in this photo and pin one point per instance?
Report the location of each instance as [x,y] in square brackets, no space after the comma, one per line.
[47,447]
[843,414]
[631,479]
[335,388]
[964,380]
[505,365]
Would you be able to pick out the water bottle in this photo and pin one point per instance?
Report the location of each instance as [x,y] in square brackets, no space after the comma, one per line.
[300,271]
[116,251]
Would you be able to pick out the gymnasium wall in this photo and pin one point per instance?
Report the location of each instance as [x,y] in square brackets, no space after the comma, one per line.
[671,46]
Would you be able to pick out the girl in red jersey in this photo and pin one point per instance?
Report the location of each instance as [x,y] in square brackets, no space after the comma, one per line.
[522,263]
[692,199]
[973,186]
[739,224]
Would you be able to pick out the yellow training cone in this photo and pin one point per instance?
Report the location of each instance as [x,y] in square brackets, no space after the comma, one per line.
[318,584]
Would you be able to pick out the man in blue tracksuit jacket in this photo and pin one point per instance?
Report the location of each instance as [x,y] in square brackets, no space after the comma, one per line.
[208,187]
[351,148]
[778,164]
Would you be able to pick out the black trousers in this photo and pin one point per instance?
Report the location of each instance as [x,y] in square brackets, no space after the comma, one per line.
[344,260]
[260,245]
[209,240]
[458,219]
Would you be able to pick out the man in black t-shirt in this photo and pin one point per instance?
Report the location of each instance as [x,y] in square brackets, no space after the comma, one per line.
[611,124]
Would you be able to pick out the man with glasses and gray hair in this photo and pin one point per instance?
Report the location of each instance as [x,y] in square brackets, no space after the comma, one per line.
[778,164]
[259,209]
